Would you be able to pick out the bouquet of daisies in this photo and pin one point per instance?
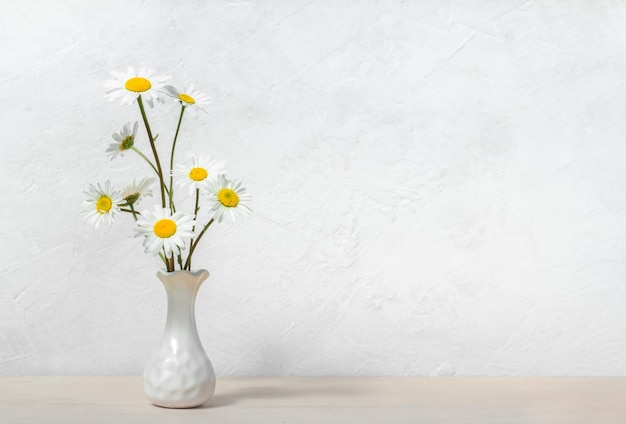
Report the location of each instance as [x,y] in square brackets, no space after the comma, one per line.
[170,233]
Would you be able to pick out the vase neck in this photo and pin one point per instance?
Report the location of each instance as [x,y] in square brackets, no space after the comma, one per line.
[181,306]
[182,288]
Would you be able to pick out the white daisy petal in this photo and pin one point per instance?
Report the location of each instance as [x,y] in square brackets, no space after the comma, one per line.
[164,232]
[227,200]
[188,97]
[130,85]
[198,172]
[136,191]
[124,140]
[102,204]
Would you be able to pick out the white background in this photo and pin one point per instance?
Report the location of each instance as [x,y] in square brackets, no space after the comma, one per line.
[438,186]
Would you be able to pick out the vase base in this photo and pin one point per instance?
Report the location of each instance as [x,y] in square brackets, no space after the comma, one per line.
[181,406]
[179,398]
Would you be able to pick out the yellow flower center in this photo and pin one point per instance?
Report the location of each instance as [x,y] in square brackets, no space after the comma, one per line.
[198,174]
[132,198]
[186,98]
[103,204]
[228,198]
[164,228]
[127,142]
[138,85]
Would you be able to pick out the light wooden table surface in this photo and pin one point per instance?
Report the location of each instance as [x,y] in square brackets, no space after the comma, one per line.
[342,400]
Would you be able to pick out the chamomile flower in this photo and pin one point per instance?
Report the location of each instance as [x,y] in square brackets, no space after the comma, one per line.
[163,231]
[102,204]
[130,85]
[227,199]
[198,172]
[124,140]
[188,96]
[137,191]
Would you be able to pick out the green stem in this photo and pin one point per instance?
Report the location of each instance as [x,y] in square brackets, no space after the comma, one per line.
[180,260]
[163,259]
[180,120]
[196,208]
[195,243]
[136,150]
[131,210]
[154,151]
[195,216]
[169,261]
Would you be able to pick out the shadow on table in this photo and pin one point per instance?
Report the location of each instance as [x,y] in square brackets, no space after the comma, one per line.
[217,401]
[304,389]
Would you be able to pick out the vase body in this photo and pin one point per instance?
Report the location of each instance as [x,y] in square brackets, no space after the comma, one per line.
[179,373]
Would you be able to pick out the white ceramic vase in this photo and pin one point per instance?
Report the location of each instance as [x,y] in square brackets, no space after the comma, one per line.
[179,373]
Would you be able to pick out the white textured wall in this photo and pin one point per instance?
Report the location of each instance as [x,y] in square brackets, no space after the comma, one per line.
[438,186]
